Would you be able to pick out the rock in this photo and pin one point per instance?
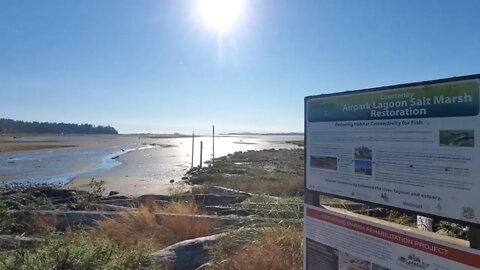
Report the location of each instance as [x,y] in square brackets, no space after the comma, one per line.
[112,193]
[186,255]
[115,197]
[197,180]
[52,192]
[65,219]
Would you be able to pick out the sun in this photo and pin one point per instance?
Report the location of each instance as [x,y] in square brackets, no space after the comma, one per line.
[220,14]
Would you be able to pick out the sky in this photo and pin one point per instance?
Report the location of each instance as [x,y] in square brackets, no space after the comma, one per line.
[157,66]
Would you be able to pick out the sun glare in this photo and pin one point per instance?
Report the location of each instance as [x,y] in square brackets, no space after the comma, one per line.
[220,14]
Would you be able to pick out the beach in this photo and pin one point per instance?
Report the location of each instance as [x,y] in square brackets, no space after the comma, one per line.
[131,165]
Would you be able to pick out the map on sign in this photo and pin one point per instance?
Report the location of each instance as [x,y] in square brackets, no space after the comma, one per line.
[409,147]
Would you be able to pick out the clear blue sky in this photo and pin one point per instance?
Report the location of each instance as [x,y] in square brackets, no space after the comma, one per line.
[154,65]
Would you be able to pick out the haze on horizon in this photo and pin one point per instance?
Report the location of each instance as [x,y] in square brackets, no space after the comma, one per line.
[166,66]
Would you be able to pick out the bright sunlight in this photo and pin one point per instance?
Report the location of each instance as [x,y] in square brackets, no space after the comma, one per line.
[220,14]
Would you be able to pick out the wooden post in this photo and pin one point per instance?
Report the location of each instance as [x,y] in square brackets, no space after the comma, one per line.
[213,146]
[193,146]
[201,153]
[312,197]
[474,237]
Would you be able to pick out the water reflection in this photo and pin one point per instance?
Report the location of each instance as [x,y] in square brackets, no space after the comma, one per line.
[161,159]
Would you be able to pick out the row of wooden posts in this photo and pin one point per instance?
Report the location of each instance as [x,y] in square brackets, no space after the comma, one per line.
[201,148]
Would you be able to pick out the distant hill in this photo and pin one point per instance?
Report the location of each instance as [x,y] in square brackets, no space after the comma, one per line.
[9,126]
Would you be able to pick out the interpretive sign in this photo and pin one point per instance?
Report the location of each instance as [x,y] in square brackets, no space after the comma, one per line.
[336,241]
[412,147]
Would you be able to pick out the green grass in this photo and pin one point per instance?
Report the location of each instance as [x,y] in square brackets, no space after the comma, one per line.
[300,143]
[269,172]
[79,251]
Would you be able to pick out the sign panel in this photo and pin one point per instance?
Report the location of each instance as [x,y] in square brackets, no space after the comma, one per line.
[335,241]
[410,147]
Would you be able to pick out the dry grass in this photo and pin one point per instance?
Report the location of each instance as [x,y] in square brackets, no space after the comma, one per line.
[277,249]
[286,187]
[270,172]
[275,187]
[41,226]
[142,225]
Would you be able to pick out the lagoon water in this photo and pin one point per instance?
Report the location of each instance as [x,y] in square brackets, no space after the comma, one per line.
[101,156]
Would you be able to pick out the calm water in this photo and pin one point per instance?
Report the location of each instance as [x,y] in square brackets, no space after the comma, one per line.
[159,159]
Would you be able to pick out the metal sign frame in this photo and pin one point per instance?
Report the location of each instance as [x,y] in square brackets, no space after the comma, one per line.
[312,197]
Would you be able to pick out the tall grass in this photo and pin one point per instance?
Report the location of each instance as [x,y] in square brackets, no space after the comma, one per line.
[143,225]
[277,248]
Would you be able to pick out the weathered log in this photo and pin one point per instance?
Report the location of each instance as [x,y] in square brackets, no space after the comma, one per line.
[16,241]
[65,219]
[186,255]
[223,221]
[131,202]
[212,199]
[218,190]
[153,197]
[201,199]
[110,207]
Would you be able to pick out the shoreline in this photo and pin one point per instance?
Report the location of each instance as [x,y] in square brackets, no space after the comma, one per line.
[108,162]
[141,172]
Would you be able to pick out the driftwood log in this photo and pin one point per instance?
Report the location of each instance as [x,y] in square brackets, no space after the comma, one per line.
[186,255]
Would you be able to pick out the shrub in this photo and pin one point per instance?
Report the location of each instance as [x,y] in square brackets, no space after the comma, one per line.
[79,251]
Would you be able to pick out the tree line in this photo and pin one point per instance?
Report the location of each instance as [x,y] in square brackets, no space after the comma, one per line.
[8,126]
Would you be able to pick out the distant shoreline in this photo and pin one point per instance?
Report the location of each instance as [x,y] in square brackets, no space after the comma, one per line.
[15,147]
[265,134]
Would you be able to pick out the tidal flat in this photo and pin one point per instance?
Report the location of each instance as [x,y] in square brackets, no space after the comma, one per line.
[129,164]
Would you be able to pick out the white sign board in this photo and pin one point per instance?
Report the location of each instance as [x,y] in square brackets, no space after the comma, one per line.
[336,241]
[410,147]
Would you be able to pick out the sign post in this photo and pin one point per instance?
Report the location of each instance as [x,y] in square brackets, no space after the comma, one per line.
[410,147]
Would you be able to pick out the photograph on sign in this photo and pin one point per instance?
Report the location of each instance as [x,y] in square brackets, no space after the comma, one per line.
[412,148]
[336,240]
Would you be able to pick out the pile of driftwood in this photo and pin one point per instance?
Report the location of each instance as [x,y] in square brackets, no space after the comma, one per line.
[224,208]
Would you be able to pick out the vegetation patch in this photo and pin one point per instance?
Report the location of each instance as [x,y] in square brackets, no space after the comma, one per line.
[80,251]
[275,248]
[143,225]
[271,172]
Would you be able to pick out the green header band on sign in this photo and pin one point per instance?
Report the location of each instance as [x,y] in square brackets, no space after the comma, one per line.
[446,100]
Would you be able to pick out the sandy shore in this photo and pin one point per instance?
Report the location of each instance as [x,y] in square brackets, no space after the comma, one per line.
[147,169]
[130,185]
